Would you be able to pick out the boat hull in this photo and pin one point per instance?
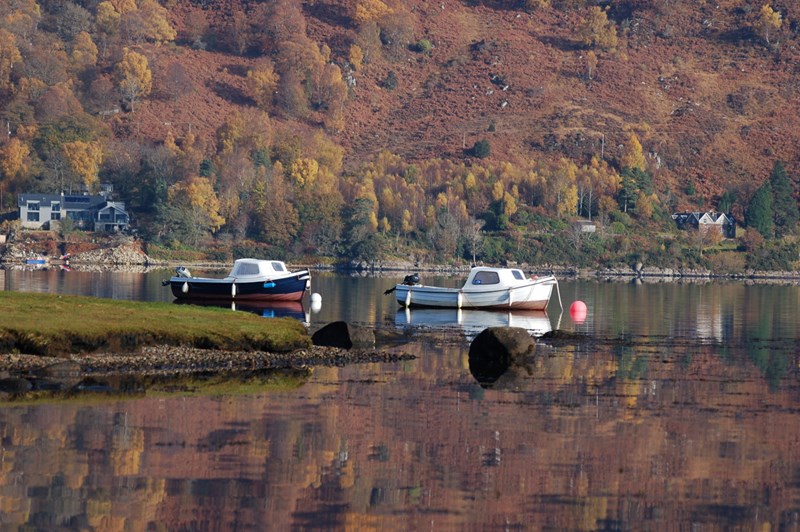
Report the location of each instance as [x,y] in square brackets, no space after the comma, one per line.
[534,295]
[291,288]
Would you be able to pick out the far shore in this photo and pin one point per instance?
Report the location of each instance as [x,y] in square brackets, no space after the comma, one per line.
[620,273]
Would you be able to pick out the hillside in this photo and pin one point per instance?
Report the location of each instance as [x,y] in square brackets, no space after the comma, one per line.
[447,131]
[710,102]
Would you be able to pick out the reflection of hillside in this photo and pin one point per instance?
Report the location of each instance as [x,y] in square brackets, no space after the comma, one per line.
[637,437]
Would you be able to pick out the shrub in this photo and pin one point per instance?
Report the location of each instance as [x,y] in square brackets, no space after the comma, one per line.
[481,149]
[423,46]
[390,82]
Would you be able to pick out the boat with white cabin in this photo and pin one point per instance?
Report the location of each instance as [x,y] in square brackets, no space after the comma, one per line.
[248,280]
[485,288]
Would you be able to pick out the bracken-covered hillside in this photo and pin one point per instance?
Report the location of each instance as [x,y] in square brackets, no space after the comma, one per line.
[711,101]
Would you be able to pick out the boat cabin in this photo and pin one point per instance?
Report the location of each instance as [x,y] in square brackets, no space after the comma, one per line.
[494,276]
[258,268]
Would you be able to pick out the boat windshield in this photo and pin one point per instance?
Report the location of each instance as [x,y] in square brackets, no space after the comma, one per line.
[246,268]
[517,275]
[278,266]
[486,278]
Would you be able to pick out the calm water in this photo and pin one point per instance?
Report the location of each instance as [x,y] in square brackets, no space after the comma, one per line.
[684,414]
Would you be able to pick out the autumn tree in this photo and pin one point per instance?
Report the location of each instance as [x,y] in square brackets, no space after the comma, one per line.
[84,51]
[633,156]
[134,78]
[262,81]
[369,10]
[768,23]
[597,31]
[276,219]
[177,81]
[196,198]
[14,165]
[591,64]
[9,55]
[84,160]
[145,20]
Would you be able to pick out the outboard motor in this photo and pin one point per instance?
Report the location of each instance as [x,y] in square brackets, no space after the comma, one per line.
[181,271]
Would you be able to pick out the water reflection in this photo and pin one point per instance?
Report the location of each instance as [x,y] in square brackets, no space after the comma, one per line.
[473,322]
[680,411]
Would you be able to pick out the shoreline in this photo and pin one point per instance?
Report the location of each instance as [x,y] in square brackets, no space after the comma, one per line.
[616,274]
[168,360]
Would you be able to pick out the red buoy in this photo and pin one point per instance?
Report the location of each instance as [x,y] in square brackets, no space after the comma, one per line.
[577,311]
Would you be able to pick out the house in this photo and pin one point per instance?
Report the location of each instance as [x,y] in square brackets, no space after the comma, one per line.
[94,213]
[584,226]
[706,221]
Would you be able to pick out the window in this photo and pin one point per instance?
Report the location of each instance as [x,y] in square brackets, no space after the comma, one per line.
[55,215]
[278,267]
[486,278]
[246,268]
[33,216]
[55,206]
[33,206]
[517,275]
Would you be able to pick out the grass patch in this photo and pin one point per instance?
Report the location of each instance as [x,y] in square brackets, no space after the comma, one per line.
[53,325]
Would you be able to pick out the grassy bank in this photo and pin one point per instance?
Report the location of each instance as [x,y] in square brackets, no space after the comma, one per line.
[54,325]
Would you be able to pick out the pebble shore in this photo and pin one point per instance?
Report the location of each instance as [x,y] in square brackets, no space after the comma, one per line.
[177,360]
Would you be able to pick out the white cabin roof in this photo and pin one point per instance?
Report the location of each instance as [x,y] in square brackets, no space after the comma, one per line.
[258,268]
[484,275]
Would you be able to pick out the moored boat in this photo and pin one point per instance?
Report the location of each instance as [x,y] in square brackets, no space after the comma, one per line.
[248,280]
[485,288]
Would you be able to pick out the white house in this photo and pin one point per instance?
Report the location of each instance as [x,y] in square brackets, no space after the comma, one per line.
[95,213]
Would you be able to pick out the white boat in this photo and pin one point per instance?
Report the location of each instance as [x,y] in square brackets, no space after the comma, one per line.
[537,322]
[485,288]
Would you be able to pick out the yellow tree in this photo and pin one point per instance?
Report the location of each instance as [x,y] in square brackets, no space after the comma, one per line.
[84,51]
[134,78]
[596,30]
[369,10]
[634,155]
[262,81]
[9,54]
[304,172]
[356,56]
[84,159]
[196,198]
[154,21]
[769,22]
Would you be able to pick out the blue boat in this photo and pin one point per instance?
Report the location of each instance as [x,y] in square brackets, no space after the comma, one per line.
[249,280]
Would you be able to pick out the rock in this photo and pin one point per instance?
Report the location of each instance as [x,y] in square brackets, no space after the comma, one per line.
[495,349]
[344,335]
[15,385]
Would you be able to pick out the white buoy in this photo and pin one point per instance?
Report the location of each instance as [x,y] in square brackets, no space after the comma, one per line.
[185,288]
[316,302]
[233,290]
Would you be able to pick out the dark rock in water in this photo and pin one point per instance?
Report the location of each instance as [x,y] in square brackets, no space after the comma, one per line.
[344,335]
[495,349]
[60,370]
[15,385]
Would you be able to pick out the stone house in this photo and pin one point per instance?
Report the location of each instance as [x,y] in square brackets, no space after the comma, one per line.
[706,221]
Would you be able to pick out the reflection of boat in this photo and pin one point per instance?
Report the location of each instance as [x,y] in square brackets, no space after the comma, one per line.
[267,309]
[537,322]
[485,288]
[249,280]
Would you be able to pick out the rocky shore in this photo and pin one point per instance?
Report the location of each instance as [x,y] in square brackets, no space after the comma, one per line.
[178,360]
